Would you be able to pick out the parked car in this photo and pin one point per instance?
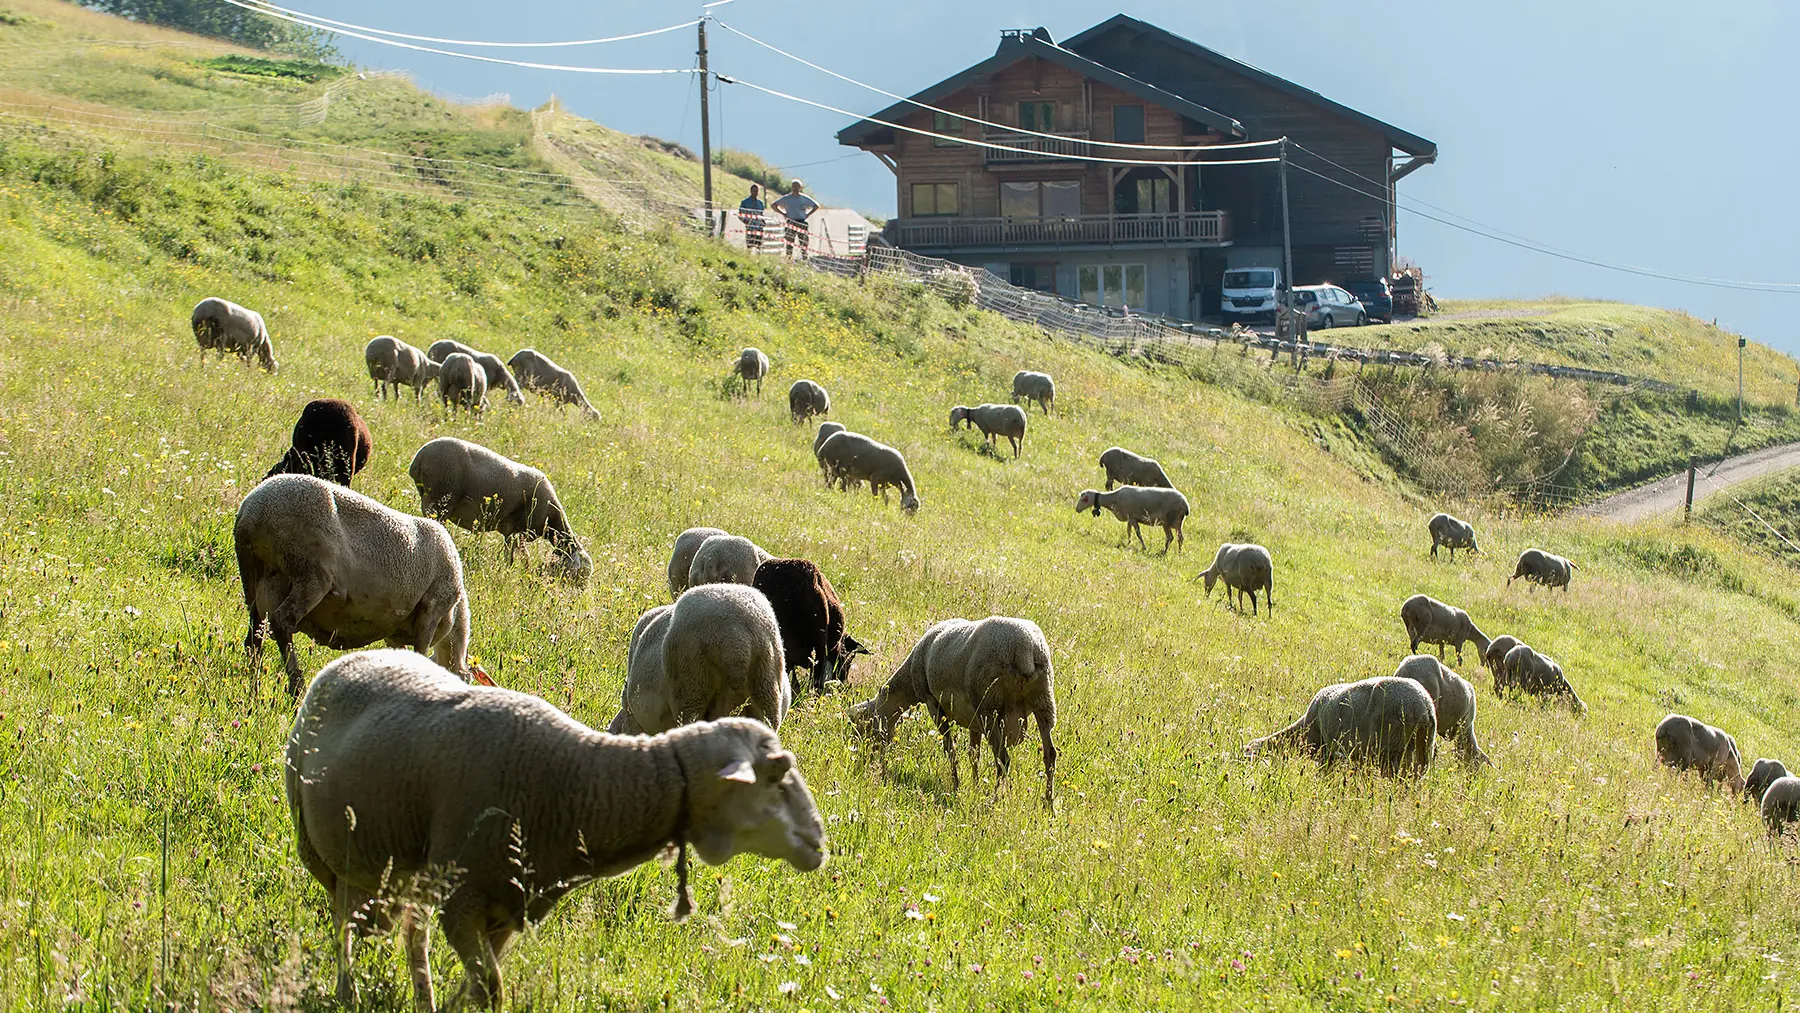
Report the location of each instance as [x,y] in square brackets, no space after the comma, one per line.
[1328,306]
[1375,297]
[1250,293]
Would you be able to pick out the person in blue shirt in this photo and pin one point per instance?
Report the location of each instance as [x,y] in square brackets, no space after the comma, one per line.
[750,212]
[796,207]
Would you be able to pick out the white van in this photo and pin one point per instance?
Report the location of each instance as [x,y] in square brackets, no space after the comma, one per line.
[1250,292]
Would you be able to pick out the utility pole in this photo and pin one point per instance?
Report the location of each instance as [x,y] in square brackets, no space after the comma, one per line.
[1740,421]
[1287,252]
[706,190]
[1687,511]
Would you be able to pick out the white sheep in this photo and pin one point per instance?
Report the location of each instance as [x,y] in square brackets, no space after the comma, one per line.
[987,677]
[1454,700]
[993,420]
[1164,508]
[224,325]
[1494,657]
[491,367]
[852,457]
[826,431]
[1385,719]
[720,648]
[394,363]
[725,559]
[479,490]
[1430,621]
[1126,468]
[1686,743]
[1245,569]
[410,790]
[1540,567]
[681,560]
[1451,533]
[535,370]
[806,399]
[752,365]
[1527,671]
[320,559]
[462,383]
[1030,386]
[1763,773]
[1781,804]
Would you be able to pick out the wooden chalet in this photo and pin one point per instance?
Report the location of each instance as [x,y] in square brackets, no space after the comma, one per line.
[1071,214]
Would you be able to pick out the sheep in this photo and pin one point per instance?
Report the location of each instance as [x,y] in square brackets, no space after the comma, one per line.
[320,559]
[993,420]
[1245,569]
[852,457]
[1781,804]
[752,364]
[1431,621]
[681,560]
[1763,773]
[462,382]
[811,618]
[394,363]
[986,676]
[1685,743]
[491,367]
[806,399]
[477,489]
[228,327]
[1528,671]
[725,559]
[720,650]
[410,790]
[1453,700]
[1495,655]
[1126,468]
[1164,508]
[1389,720]
[1452,533]
[533,369]
[1029,386]
[1540,567]
[331,441]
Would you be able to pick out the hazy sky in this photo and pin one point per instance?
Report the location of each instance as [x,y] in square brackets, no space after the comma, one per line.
[1656,133]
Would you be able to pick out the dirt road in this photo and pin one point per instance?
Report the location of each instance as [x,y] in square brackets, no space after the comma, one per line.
[1667,494]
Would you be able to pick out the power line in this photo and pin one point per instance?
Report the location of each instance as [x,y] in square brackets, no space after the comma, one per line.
[989,123]
[1753,513]
[269,7]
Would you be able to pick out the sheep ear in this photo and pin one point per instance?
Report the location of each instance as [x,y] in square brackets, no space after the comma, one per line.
[775,766]
[738,770]
[853,645]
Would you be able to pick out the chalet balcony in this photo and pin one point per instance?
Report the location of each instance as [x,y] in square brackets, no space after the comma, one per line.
[1187,228]
[1035,148]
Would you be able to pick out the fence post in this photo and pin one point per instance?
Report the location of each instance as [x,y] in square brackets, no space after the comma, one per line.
[1687,513]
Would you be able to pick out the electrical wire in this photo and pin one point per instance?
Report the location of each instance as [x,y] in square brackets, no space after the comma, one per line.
[1759,517]
[989,123]
[472,42]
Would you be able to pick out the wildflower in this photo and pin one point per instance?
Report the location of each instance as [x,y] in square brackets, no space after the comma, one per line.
[788,987]
[1343,954]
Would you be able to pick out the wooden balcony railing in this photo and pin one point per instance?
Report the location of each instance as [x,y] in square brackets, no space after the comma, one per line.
[1035,148]
[1098,230]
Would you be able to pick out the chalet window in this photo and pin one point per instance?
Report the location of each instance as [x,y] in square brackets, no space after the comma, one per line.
[1041,277]
[1114,285]
[1128,124]
[1040,198]
[1155,196]
[944,123]
[1037,116]
[931,200]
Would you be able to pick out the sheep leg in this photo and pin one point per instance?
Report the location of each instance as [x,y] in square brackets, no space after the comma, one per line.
[350,909]
[1252,594]
[464,920]
[309,589]
[1046,719]
[996,736]
[943,727]
[1133,529]
[416,929]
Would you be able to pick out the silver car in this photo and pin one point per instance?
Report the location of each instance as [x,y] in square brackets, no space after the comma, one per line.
[1329,306]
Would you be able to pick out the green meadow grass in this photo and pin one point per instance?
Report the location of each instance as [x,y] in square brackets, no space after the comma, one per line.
[146,856]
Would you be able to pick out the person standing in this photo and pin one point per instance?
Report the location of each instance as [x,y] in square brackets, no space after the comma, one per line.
[796,207]
[750,212]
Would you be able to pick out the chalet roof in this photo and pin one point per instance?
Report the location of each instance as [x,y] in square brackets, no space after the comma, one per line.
[1039,44]
[1408,142]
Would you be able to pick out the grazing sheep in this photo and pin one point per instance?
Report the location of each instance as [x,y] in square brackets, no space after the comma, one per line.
[228,327]
[1386,719]
[1163,508]
[491,367]
[1763,773]
[986,676]
[1685,743]
[1527,671]
[394,363]
[1126,468]
[681,560]
[993,420]
[331,441]
[826,431]
[462,382]
[478,490]
[811,618]
[1454,700]
[1540,567]
[752,365]
[1495,655]
[1781,804]
[1430,621]
[409,790]
[852,457]
[721,652]
[319,559]
[1452,533]
[535,370]
[806,399]
[1029,386]
[1245,569]
[725,559]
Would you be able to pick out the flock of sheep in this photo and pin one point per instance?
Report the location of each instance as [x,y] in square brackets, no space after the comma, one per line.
[399,808]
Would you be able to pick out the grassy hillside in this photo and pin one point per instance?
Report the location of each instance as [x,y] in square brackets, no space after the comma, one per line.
[1576,875]
[1771,503]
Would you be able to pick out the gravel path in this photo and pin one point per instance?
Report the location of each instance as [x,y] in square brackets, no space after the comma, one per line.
[1667,494]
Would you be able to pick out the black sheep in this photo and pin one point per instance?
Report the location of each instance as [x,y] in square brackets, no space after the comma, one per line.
[331,441]
[811,619]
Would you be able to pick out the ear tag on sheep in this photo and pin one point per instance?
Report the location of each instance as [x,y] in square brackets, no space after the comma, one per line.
[739,770]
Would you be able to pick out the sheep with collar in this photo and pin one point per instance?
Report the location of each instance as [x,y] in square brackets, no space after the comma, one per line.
[993,420]
[1135,505]
[477,489]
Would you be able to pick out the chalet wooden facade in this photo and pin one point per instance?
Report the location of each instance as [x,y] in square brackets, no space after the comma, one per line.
[1123,226]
